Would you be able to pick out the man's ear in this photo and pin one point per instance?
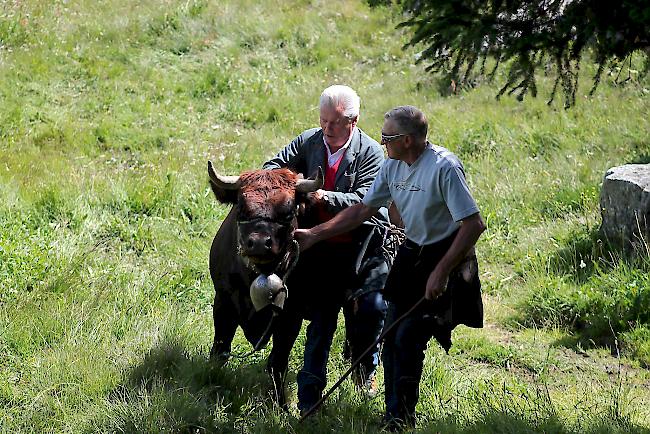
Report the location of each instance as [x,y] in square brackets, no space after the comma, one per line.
[408,141]
[355,121]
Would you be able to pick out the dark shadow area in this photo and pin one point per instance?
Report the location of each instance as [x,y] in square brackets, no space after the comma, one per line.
[579,255]
[587,252]
[498,412]
[169,364]
[582,341]
[496,422]
[171,391]
[510,423]
[175,392]
[597,290]
[641,154]
[643,158]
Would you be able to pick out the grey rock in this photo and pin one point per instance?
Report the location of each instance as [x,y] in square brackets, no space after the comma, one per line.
[625,206]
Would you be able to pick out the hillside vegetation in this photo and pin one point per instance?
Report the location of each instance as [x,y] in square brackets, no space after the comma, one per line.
[109,112]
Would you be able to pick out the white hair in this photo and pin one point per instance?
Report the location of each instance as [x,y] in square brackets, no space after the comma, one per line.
[341,96]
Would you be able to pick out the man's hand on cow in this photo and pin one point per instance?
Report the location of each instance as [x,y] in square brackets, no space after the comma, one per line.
[316,197]
[305,238]
[436,284]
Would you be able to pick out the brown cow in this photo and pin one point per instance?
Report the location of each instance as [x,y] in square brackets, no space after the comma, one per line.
[256,238]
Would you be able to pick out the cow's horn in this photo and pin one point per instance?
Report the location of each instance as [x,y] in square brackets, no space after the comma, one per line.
[223,182]
[307,185]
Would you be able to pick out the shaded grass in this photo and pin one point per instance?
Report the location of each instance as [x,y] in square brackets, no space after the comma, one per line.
[594,289]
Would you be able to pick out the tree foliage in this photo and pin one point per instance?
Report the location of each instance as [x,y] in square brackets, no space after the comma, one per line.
[459,36]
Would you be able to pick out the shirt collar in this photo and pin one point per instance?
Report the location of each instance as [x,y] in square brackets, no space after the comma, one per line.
[331,158]
[416,163]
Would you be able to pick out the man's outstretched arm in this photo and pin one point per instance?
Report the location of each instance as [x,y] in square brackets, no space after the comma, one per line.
[342,222]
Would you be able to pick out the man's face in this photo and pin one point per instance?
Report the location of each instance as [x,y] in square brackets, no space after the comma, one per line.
[393,139]
[336,127]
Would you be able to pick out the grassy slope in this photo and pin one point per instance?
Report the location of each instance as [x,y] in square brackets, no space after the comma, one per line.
[108,112]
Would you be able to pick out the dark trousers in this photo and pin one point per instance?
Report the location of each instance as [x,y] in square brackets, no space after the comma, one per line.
[364,321]
[405,345]
[403,359]
[322,299]
[363,327]
[312,378]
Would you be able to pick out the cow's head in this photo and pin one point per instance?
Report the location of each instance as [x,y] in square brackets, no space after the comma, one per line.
[266,210]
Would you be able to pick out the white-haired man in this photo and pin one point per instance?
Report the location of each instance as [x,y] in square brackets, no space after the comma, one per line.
[348,270]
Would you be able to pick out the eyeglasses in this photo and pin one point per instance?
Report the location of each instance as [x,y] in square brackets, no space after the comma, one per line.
[385,138]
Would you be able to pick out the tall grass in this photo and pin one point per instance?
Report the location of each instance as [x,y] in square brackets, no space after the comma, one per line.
[108,113]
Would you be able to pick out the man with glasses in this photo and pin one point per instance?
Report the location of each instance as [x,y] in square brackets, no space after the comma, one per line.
[348,270]
[442,224]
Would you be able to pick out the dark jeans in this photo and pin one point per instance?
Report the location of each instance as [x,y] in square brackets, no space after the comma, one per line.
[364,321]
[321,301]
[405,345]
[312,378]
[403,359]
[364,328]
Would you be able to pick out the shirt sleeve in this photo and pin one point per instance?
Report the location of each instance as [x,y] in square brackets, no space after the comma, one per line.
[379,194]
[456,193]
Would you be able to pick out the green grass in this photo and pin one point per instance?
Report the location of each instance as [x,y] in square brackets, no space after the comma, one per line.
[108,113]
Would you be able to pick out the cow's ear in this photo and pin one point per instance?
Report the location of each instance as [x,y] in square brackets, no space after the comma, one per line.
[224,196]
[302,204]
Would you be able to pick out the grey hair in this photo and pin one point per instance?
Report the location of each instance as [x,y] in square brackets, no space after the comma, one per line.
[341,96]
[409,120]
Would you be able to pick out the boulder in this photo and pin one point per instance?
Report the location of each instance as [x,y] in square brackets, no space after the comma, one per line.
[625,206]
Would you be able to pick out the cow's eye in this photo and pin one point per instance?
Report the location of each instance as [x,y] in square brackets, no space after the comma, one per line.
[283,232]
[286,218]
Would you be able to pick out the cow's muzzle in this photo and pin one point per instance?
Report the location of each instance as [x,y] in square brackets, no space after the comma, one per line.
[262,241]
[259,247]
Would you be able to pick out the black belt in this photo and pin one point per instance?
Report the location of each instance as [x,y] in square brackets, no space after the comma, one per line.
[419,249]
[412,244]
[442,244]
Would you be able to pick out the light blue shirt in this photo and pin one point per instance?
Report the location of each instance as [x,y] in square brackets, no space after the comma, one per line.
[431,195]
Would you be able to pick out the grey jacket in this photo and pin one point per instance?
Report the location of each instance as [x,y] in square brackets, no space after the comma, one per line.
[356,172]
[358,169]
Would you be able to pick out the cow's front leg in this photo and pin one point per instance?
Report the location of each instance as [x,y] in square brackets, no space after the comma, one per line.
[284,336]
[225,326]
